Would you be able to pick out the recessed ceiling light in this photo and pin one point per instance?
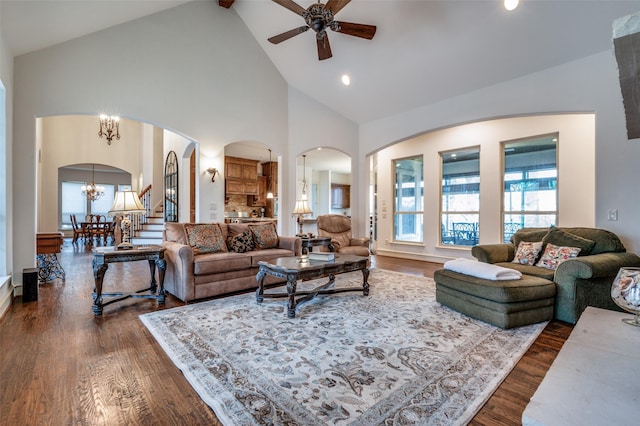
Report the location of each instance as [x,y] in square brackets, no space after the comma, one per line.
[346,80]
[511,4]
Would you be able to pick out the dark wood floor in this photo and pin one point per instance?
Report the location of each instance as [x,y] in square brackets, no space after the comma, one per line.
[59,364]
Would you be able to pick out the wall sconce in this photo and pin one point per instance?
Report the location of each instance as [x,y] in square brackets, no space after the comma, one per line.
[214,172]
[109,127]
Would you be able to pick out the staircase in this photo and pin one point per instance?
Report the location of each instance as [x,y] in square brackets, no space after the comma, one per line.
[150,232]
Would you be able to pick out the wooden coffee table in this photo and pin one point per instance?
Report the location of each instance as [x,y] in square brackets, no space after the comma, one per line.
[291,269]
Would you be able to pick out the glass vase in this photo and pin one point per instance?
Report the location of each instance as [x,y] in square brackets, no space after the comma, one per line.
[625,292]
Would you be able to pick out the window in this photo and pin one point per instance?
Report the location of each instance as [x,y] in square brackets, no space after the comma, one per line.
[73,202]
[103,204]
[530,184]
[460,202]
[409,200]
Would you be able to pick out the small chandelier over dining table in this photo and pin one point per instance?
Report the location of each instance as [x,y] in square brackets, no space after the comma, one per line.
[92,191]
[109,127]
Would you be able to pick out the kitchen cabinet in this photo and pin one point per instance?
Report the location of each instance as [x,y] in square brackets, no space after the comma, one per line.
[241,176]
[340,196]
[259,200]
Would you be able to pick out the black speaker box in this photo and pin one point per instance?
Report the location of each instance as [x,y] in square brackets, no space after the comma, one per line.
[30,285]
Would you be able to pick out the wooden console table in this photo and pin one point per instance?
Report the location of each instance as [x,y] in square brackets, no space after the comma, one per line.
[291,269]
[102,256]
[594,379]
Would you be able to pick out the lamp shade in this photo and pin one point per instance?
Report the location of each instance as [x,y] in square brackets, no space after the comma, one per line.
[126,202]
[302,207]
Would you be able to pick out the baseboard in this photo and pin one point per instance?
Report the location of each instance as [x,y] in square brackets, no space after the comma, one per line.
[413,256]
[6,295]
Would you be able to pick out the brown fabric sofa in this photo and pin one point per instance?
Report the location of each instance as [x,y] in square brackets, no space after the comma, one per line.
[193,274]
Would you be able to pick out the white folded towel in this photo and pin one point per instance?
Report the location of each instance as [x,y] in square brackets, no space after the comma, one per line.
[482,270]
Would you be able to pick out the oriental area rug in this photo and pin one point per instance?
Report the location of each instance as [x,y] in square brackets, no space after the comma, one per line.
[393,357]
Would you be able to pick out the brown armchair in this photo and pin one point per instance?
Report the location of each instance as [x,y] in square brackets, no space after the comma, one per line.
[338,228]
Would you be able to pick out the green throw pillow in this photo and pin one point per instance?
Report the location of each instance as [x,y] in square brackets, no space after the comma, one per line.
[562,238]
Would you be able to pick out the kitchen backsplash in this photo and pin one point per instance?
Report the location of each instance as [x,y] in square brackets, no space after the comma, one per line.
[238,203]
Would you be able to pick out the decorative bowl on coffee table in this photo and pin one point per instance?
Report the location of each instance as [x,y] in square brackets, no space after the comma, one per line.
[625,292]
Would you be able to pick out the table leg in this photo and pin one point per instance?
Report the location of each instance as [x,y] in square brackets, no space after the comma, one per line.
[162,267]
[365,282]
[292,282]
[152,270]
[99,270]
[260,290]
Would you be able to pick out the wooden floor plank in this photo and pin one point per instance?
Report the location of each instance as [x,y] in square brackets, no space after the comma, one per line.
[59,364]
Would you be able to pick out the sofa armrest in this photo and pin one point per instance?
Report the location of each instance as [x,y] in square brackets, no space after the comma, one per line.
[179,274]
[596,266]
[291,243]
[360,241]
[493,253]
[586,280]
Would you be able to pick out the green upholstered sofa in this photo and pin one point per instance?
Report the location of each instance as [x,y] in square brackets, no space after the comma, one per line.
[580,282]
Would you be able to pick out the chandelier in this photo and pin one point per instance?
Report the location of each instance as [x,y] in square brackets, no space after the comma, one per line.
[92,191]
[109,127]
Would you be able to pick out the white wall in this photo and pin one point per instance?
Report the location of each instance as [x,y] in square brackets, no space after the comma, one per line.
[586,85]
[194,69]
[576,162]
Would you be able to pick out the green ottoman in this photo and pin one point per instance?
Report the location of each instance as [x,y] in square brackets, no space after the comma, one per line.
[505,304]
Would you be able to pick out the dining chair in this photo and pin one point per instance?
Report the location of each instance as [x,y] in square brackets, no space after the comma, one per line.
[78,230]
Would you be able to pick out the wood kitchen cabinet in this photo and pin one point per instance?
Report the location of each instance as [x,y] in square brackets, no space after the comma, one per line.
[340,196]
[241,176]
[259,200]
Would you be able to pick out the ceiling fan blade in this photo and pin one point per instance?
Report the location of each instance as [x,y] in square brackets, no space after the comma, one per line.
[358,30]
[226,3]
[336,5]
[292,6]
[324,49]
[287,35]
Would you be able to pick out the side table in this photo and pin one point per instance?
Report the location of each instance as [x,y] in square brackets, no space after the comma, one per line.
[309,243]
[48,244]
[102,256]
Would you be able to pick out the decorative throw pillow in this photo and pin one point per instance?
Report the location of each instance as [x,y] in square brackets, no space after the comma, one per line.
[527,253]
[554,255]
[241,243]
[264,236]
[528,234]
[205,238]
[562,238]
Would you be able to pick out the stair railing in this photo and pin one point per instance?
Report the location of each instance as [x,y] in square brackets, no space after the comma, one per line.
[138,221]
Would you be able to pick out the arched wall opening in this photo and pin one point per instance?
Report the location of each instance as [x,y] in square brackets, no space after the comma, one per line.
[576,178]
[73,139]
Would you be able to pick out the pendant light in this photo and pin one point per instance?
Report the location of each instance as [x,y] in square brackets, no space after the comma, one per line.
[270,192]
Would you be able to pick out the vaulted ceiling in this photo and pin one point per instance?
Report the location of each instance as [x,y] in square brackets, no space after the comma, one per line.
[423,51]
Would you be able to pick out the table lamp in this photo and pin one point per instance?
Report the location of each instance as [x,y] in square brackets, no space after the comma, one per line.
[126,203]
[301,208]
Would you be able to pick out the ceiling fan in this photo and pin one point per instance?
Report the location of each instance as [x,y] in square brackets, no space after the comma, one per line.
[319,17]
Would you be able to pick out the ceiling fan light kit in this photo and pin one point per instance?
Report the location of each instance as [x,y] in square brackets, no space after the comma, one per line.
[319,17]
